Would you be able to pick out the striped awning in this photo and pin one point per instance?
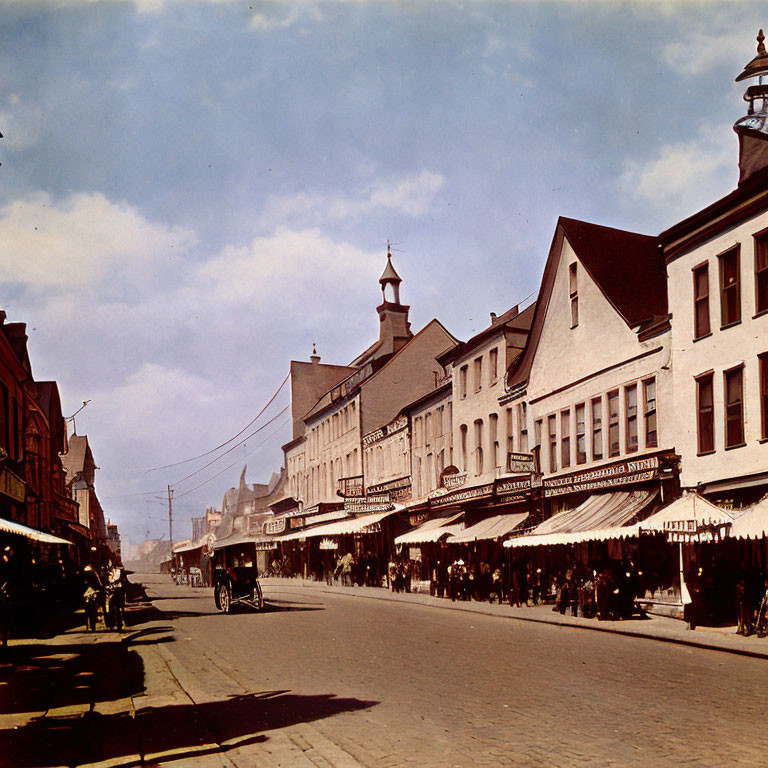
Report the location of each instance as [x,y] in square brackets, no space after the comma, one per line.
[601,517]
[342,527]
[9,526]
[752,523]
[492,528]
[431,530]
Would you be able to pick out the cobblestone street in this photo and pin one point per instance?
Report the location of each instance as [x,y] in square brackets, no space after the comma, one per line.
[442,688]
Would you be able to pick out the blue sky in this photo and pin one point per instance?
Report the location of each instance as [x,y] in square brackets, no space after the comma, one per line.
[193,192]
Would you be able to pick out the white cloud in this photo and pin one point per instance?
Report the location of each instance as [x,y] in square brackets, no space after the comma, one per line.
[409,195]
[701,52]
[683,177]
[82,241]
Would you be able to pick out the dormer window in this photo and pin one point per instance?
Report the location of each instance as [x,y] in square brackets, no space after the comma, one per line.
[573,292]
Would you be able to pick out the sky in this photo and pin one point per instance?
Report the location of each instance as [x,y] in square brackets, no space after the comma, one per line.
[193,192]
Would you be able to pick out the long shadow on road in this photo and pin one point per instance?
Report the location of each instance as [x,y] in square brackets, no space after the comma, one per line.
[179,732]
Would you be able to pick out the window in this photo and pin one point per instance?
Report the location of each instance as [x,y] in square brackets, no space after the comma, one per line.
[439,421]
[552,426]
[763,365]
[649,413]
[449,425]
[537,429]
[597,428]
[630,405]
[705,409]
[565,438]
[581,438]
[493,365]
[761,272]
[417,431]
[701,301]
[614,447]
[479,446]
[428,428]
[463,381]
[730,299]
[522,427]
[478,374]
[493,430]
[573,292]
[510,431]
[734,407]
[463,431]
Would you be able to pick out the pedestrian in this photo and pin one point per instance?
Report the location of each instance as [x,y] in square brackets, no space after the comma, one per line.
[91,597]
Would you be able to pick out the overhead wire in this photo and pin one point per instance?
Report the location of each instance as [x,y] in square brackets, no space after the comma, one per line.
[229,450]
[226,442]
[221,472]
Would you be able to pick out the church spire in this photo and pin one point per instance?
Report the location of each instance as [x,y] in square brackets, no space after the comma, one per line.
[752,129]
[390,278]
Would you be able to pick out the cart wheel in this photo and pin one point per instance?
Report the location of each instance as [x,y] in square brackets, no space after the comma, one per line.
[224,601]
[258,598]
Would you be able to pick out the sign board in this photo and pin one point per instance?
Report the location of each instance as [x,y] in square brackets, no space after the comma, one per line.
[514,489]
[520,462]
[397,490]
[378,503]
[12,486]
[351,487]
[470,494]
[417,519]
[298,522]
[454,481]
[329,544]
[273,527]
[612,476]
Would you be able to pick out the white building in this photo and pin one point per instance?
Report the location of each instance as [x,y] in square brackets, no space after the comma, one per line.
[717,262]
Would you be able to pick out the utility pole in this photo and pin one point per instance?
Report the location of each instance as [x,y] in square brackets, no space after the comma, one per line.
[170,515]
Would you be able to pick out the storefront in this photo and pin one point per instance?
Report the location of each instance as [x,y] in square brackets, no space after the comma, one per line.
[425,545]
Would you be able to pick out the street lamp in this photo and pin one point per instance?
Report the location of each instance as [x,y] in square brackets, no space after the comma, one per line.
[72,417]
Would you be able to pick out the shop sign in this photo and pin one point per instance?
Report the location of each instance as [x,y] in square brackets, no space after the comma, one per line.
[351,486]
[678,531]
[619,474]
[417,519]
[327,517]
[520,462]
[298,522]
[273,527]
[454,481]
[329,544]
[470,494]
[266,546]
[395,488]
[11,486]
[372,437]
[378,503]
[513,489]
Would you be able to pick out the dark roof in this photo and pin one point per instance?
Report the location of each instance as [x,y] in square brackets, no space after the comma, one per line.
[627,267]
[74,459]
[749,199]
[512,319]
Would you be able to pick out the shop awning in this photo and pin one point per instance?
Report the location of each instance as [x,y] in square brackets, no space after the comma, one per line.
[431,530]
[342,527]
[752,523]
[242,537]
[689,518]
[188,547]
[491,528]
[9,526]
[601,517]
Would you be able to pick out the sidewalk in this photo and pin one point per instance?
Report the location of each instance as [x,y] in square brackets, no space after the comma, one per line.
[660,628]
[101,699]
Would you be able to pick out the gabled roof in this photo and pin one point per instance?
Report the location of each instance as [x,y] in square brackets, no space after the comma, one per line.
[325,401]
[74,460]
[512,319]
[627,267]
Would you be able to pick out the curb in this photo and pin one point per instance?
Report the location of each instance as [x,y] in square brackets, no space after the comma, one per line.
[471,607]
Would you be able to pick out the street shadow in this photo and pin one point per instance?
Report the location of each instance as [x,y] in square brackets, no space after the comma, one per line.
[277,606]
[37,677]
[179,732]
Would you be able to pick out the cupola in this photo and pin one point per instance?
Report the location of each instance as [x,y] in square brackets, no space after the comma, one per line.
[390,278]
[752,129]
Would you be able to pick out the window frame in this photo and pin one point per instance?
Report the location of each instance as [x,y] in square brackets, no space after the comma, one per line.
[735,289]
[552,436]
[760,273]
[701,332]
[708,377]
[650,412]
[565,438]
[762,373]
[581,435]
[735,370]
[597,431]
[573,293]
[631,421]
[614,395]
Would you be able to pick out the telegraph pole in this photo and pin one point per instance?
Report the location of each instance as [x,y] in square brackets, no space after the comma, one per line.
[170,515]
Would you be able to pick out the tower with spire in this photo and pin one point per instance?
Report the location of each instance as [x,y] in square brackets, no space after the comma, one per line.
[752,129]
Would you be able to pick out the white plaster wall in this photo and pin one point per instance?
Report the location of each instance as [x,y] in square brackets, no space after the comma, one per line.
[601,354]
[387,459]
[440,440]
[480,405]
[721,351]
